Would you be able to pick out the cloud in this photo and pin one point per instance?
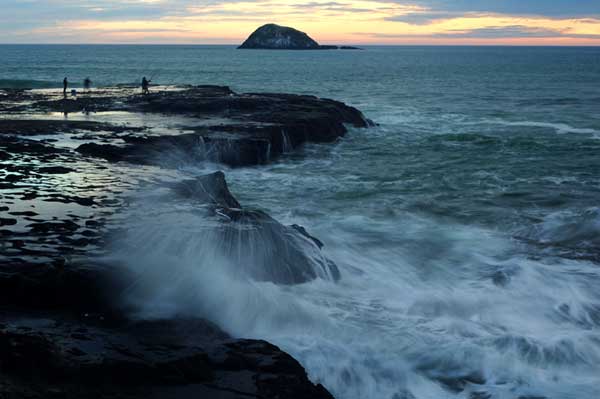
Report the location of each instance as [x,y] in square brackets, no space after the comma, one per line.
[436,10]
[494,32]
[329,21]
[332,6]
[514,31]
[423,17]
[546,8]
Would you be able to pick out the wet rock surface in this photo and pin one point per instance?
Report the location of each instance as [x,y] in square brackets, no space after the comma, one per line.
[90,356]
[221,126]
[63,186]
[58,191]
[276,253]
[253,129]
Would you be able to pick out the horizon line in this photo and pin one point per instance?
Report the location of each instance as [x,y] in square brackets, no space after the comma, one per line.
[342,44]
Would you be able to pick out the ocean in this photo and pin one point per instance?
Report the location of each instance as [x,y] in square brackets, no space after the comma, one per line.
[466,224]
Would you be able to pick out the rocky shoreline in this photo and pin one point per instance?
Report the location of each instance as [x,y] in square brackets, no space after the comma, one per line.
[66,170]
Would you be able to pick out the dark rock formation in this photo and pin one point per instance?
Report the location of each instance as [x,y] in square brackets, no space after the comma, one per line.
[250,129]
[209,189]
[89,356]
[275,37]
[268,250]
[64,333]
[328,47]
[258,127]
[26,127]
[272,251]
[60,288]
[232,150]
[64,328]
[233,129]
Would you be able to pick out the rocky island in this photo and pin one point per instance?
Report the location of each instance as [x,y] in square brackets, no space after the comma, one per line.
[69,170]
[276,37]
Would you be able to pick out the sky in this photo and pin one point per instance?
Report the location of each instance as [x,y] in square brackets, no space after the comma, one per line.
[393,22]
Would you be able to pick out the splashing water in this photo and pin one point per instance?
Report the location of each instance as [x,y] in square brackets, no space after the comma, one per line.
[424,309]
[465,226]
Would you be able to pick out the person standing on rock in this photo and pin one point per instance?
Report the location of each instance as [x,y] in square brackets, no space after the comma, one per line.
[65,84]
[145,85]
[87,83]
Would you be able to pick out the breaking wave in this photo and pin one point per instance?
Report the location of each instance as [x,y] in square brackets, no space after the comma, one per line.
[427,310]
[560,128]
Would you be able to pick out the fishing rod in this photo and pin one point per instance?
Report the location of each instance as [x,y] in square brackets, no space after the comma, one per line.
[154,74]
[169,82]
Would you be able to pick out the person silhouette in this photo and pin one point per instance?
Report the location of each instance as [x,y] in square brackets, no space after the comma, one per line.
[87,83]
[145,84]
[65,84]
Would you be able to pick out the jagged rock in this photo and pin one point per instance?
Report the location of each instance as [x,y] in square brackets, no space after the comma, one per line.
[270,251]
[261,126]
[64,331]
[272,36]
[303,231]
[87,357]
[266,249]
[276,37]
[232,151]
[211,189]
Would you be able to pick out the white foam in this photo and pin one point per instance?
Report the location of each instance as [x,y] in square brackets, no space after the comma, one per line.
[561,128]
[416,306]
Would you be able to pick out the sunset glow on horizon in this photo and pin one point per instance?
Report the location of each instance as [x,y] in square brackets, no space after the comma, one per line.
[441,22]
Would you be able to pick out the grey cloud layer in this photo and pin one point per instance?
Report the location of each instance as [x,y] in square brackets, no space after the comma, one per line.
[19,17]
[548,8]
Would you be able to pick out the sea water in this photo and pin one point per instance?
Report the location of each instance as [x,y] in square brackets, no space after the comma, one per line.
[466,225]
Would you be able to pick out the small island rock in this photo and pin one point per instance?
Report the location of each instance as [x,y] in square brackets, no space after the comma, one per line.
[272,36]
[276,37]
